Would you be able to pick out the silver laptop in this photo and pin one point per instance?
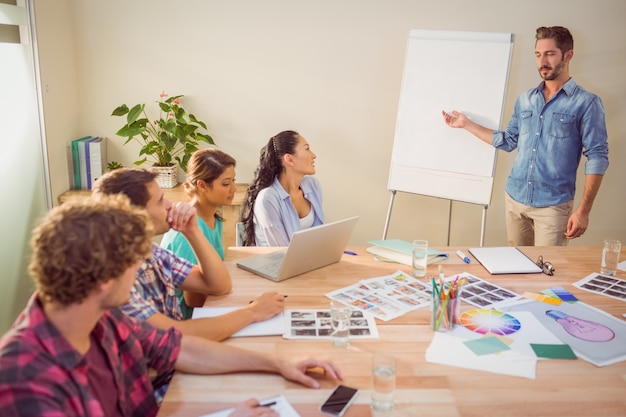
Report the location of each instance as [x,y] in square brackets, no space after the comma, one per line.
[309,249]
[504,260]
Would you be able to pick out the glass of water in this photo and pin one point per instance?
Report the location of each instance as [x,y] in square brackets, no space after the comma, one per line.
[419,257]
[340,323]
[610,256]
[383,381]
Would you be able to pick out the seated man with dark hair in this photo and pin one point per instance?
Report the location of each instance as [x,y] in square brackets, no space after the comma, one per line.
[72,352]
[153,297]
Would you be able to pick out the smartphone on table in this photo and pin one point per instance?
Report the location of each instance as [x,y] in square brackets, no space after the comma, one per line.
[338,401]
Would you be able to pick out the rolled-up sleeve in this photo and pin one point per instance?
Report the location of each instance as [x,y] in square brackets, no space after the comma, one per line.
[595,138]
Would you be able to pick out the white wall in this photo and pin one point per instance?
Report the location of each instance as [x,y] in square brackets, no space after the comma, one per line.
[60,86]
[329,69]
[22,180]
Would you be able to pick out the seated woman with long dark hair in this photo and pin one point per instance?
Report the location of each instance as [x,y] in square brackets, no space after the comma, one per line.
[284,196]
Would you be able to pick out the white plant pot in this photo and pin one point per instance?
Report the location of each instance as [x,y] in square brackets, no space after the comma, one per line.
[168,176]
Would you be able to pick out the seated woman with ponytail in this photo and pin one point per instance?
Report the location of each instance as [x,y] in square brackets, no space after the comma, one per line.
[284,196]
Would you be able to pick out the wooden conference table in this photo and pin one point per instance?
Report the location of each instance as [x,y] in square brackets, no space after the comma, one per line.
[561,387]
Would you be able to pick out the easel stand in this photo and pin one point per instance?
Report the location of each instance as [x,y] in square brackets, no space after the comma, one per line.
[428,157]
[482,227]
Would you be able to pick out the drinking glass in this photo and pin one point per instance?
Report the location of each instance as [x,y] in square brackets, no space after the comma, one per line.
[419,255]
[340,323]
[383,381]
[610,256]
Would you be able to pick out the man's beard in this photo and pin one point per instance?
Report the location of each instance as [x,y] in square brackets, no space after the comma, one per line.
[554,73]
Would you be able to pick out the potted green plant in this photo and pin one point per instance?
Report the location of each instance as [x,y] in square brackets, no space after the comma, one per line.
[113,165]
[168,141]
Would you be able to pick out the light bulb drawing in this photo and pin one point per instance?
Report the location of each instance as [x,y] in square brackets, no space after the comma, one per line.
[582,329]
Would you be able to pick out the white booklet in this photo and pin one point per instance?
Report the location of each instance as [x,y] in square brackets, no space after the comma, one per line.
[315,324]
[603,284]
[271,327]
[277,403]
[481,293]
[385,297]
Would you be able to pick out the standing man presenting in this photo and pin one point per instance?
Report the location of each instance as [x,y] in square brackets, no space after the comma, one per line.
[551,127]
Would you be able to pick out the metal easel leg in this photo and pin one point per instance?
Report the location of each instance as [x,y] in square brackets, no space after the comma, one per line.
[449,221]
[482,228]
[393,195]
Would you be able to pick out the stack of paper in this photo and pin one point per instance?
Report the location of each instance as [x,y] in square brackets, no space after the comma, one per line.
[399,251]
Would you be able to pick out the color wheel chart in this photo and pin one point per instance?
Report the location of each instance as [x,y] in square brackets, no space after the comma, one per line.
[486,321]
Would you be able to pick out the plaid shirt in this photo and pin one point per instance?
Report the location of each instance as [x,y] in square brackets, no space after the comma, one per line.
[155,286]
[42,375]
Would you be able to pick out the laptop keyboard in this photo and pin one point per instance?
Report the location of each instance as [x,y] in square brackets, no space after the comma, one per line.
[277,256]
[273,268]
[275,261]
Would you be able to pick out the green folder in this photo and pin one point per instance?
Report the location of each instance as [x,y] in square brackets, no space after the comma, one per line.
[404,247]
[76,165]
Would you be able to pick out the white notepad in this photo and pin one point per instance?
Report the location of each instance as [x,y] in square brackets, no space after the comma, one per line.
[505,260]
[279,404]
[274,326]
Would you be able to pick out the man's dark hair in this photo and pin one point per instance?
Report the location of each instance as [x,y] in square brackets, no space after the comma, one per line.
[131,182]
[562,37]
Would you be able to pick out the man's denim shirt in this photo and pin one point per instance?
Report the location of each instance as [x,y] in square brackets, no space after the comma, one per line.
[550,139]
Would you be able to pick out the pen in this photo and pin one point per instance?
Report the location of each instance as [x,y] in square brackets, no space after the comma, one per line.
[463,256]
[268,404]
[348,252]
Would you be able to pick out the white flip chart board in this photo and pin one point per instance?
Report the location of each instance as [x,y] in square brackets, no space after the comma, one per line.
[449,70]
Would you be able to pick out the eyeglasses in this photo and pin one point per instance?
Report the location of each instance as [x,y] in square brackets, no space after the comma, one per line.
[546,267]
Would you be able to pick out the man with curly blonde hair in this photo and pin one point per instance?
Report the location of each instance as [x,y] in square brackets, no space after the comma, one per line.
[72,352]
